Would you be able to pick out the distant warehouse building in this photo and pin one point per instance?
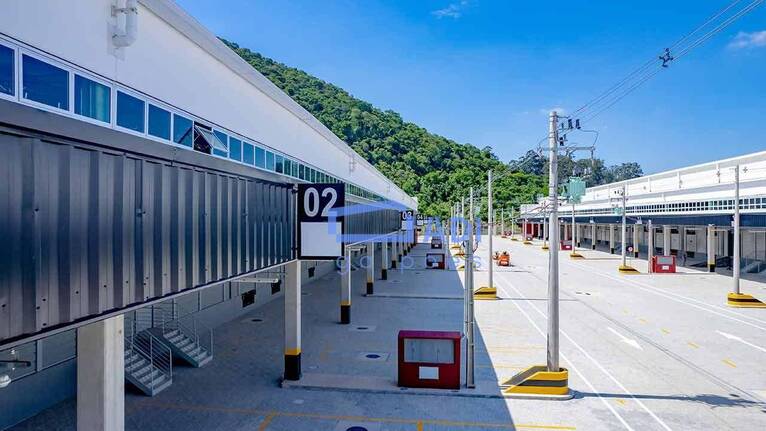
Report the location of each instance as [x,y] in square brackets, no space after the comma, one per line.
[146,168]
[689,211]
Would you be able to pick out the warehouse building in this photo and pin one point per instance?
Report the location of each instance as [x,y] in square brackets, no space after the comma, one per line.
[147,197]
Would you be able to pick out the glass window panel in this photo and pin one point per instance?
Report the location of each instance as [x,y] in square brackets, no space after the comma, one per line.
[248,154]
[130,112]
[288,168]
[235,148]
[295,169]
[260,157]
[269,160]
[302,171]
[223,139]
[182,130]
[45,83]
[92,99]
[7,69]
[279,164]
[159,122]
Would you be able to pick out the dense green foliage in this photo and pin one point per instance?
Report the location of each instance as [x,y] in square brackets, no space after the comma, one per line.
[437,170]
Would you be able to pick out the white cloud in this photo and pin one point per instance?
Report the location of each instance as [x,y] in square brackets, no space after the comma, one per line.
[454,10]
[745,40]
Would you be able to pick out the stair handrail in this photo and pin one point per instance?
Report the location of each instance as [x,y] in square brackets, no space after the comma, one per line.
[159,356]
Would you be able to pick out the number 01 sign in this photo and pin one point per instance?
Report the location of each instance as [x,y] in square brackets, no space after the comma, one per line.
[320,221]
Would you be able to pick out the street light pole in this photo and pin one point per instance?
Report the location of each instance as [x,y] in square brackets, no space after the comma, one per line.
[468,292]
[553,272]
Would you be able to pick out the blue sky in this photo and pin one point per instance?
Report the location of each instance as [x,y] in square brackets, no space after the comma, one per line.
[486,72]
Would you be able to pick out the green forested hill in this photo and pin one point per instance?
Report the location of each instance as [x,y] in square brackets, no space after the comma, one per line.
[433,168]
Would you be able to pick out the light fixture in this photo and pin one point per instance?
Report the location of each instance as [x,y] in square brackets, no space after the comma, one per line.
[5,380]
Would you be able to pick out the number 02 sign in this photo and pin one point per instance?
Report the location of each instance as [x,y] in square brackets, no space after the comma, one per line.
[320,221]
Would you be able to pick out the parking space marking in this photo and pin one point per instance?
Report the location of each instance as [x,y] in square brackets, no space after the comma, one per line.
[571,364]
[598,365]
[675,297]
[271,415]
[729,363]
[266,421]
[693,345]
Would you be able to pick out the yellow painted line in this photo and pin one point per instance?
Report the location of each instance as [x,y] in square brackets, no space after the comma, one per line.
[274,414]
[665,331]
[694,345]
[620,401]
[266,422]
[729,363]
[420,425]
[643,320]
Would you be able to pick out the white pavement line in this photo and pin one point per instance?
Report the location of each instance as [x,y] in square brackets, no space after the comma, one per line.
[659,292]
[571,365]
[625,339]
[596,363]
[736,338]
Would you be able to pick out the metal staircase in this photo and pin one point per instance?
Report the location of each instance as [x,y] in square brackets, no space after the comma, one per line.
[186,338]
[148,362]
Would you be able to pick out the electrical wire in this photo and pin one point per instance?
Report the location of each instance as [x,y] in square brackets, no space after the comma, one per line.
[608,98]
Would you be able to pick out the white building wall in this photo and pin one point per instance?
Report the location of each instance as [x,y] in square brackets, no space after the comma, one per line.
[166,64]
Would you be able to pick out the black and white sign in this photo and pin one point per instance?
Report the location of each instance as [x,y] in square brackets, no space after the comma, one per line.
[420,219]
[320,221]
[408,217]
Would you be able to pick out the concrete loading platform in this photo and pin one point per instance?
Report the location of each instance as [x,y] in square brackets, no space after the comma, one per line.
[644,352]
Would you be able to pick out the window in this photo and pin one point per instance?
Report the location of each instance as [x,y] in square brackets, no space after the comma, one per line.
[223,139]
[279,164]
[260,157]
[92,100]
[248,154]
[295,169]
[7,67]
[159,122]
[130,112]
[288,168]
[45,83]
[302,172]
[182,130]
[235,149]
[269,160]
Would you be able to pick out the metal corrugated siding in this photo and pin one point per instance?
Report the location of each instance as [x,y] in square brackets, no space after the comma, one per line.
[86,230]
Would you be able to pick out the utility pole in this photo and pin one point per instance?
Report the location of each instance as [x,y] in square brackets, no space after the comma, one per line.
[624,225]
[468,298]
[490,226]
[502,221]
[553,261]
[735,265]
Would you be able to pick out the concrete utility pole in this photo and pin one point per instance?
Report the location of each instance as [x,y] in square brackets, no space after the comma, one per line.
[624,227]
[650,245]
[468,298]
[735,265]
[553,271]
[490,226]
[574,229]
[502,221]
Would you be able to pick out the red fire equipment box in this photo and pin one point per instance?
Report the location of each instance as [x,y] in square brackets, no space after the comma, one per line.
[429,359]
[664,264]
[435,260]
[566,245]
[436,243]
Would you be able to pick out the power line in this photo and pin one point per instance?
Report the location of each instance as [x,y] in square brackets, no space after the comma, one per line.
[608,98]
